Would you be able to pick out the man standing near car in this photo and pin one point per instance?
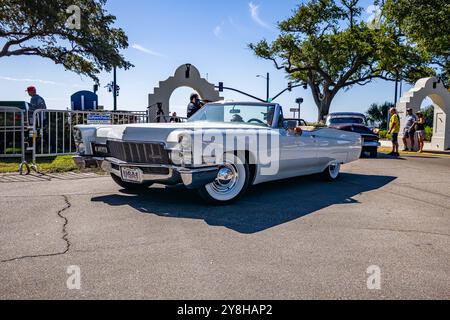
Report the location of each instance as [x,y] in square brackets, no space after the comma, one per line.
[194,105]
[409,130]
[394,130]
[36,102]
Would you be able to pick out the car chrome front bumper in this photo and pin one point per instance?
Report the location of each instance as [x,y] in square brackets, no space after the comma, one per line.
[371,144]
[192,178]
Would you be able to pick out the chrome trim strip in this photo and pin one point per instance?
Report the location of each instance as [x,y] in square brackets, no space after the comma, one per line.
[135,141]
[143,165]
[371,144]
[179,169]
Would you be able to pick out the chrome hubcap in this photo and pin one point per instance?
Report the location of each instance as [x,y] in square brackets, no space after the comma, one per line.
[334,169]
[226,179]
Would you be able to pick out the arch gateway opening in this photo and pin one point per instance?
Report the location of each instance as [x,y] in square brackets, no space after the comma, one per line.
[186,75]
[430,88]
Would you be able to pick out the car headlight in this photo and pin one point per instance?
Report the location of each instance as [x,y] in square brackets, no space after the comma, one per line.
[185,142]
[376,130]
[81,148]
[78,139]
[185,149]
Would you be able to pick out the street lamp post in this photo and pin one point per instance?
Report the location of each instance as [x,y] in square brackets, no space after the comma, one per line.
[267,86]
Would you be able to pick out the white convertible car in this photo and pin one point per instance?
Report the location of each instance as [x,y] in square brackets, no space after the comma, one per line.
[222,150]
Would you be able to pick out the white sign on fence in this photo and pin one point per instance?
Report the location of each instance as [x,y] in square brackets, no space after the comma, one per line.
[99,119]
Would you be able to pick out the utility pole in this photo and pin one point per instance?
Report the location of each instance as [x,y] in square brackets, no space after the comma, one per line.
[396,89]
[267,77]
[114,89]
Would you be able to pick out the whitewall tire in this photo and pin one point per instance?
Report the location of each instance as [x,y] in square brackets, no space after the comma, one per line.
[230,184]
[332,172]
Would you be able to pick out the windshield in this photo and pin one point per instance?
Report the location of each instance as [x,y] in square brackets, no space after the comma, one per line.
[261,115]
[347,120]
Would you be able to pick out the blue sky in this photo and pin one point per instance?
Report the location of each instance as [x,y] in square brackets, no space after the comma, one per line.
[212,35]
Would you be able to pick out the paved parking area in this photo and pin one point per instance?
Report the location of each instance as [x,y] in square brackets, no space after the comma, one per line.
[39,177]
[293,239]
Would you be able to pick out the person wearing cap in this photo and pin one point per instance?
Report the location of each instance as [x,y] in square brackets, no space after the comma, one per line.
[36,102]
[394,130]
[194,105]
[420,130]
[409,130]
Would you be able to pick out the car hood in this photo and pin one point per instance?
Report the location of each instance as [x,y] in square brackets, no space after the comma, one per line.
[357,128]
[157,132]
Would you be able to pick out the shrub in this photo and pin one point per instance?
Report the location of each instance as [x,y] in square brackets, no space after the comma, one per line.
[384,135]
[316,124]
[428,133]
[13,151]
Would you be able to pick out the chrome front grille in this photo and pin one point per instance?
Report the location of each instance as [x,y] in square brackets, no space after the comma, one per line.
[138,152]
[370,138]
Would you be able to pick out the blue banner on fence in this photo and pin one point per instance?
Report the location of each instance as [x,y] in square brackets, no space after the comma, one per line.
[99,119]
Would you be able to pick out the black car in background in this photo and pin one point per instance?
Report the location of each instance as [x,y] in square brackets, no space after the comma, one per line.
[356,122]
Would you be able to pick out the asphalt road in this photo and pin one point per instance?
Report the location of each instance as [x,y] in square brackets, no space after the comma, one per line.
[295,239]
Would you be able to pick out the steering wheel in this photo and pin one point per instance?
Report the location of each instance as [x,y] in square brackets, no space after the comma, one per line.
[255,120]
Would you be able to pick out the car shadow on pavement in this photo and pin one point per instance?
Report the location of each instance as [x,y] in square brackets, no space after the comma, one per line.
[262,207]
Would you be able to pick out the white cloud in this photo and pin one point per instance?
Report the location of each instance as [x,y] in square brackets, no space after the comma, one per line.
[145,50]
[217,31]
[28,80]
[254,12]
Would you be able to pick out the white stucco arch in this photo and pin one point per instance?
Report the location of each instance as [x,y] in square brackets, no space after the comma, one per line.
[187,75]
[440,96]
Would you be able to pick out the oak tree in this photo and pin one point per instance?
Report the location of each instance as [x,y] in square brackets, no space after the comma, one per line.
[78,34]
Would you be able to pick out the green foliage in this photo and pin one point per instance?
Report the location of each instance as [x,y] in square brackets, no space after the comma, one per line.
[377,114]
[327,44]
[425,25]
[428,133]
[38,28]
[54,164]
[317,124]
[13,151]
[384,135]
[428,113]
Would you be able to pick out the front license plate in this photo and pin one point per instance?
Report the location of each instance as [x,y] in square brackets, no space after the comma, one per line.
[131,175]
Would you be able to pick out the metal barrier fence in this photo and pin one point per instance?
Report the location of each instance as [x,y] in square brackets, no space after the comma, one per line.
[53,129]
[49,133]
[168,119]
[12,135]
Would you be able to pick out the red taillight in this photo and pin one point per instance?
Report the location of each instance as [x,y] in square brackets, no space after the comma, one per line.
[18,118]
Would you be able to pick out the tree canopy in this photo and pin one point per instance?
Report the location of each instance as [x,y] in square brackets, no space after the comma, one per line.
[327,44]
[377,114]
[39,28]
[424,24]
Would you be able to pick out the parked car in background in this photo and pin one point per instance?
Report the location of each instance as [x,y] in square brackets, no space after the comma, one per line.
[138,155]
[356,122]
[346,118]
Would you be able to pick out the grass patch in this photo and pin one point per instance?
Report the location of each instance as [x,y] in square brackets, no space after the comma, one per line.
[53,164]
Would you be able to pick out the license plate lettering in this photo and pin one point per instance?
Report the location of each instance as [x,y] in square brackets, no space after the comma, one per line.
[132,175]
